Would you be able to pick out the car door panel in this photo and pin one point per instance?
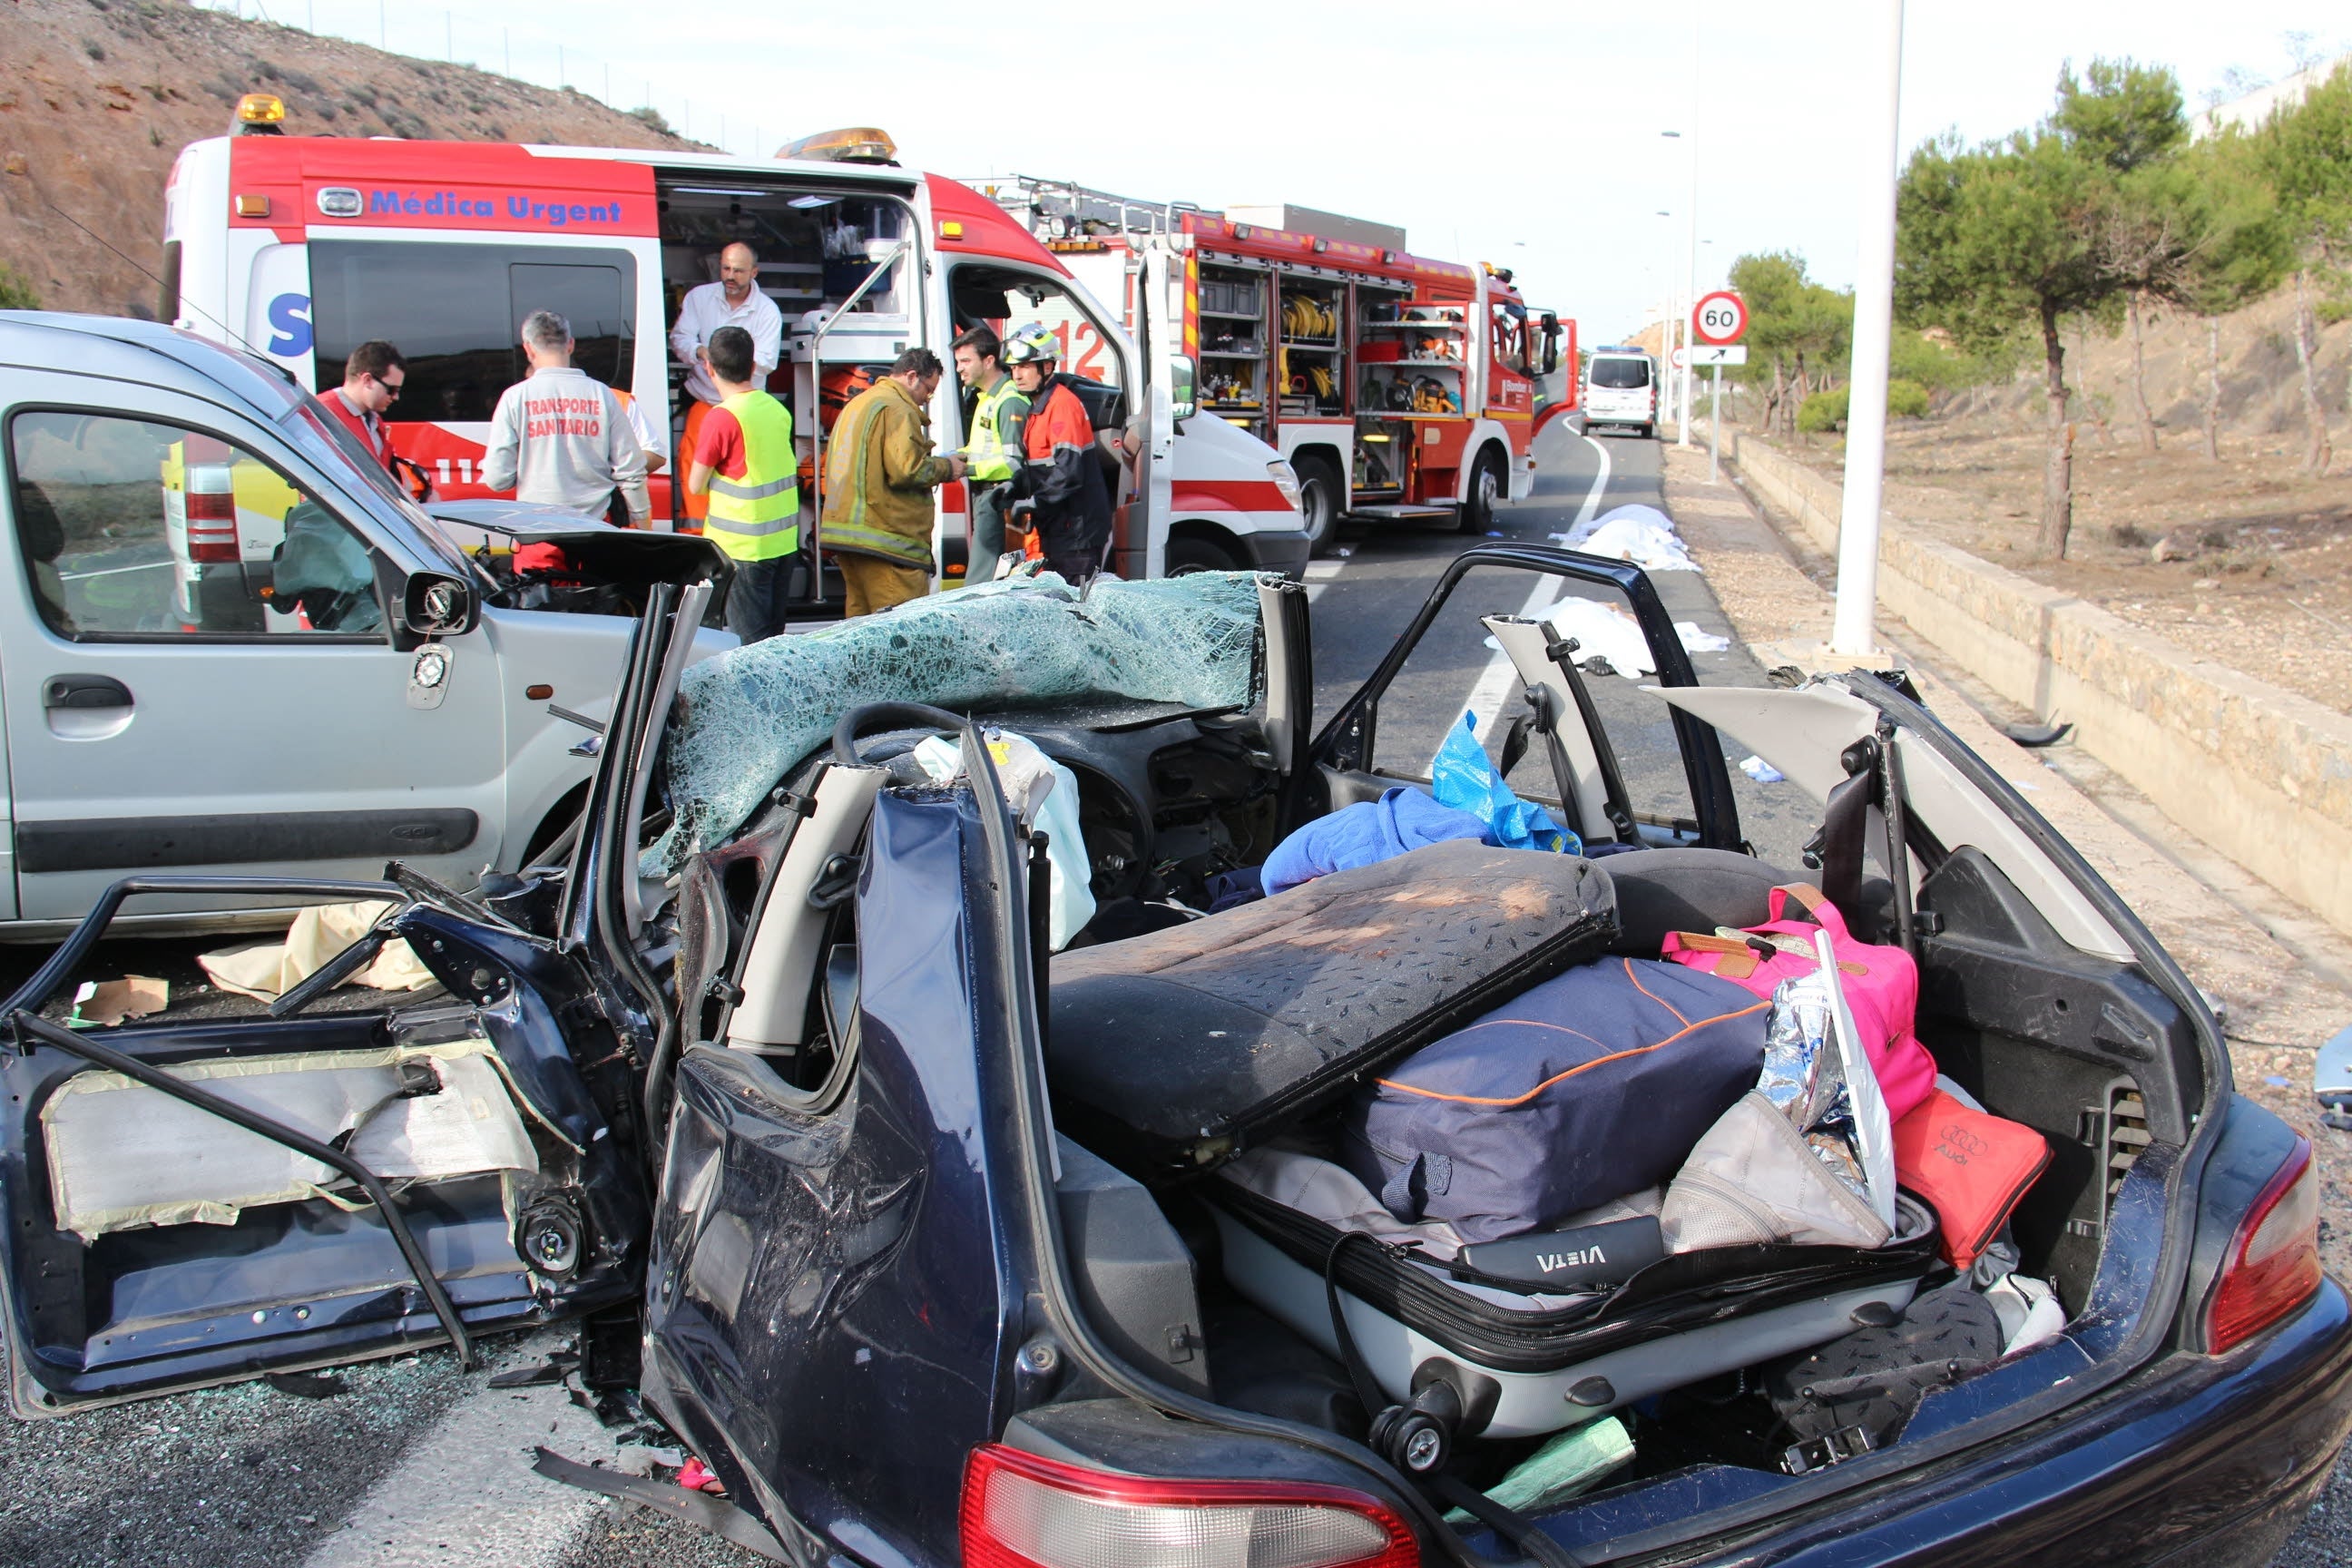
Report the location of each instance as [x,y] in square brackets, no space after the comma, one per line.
[176,1266]
[1346,750]
[269,748]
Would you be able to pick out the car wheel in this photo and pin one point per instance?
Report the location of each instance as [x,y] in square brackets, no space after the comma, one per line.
[1189,555]
[1318,504]
[1486,492]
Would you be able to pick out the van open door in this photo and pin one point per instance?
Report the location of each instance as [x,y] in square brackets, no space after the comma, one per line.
[1157,363]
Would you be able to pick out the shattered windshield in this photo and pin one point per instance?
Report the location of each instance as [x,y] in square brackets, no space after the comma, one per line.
[746,717]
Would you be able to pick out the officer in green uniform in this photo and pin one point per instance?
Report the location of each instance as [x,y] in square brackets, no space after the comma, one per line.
[999,411]
[744,460]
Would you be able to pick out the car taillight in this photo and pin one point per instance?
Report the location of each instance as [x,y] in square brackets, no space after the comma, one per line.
[212,526]
[1024,1511]
[2272,1264]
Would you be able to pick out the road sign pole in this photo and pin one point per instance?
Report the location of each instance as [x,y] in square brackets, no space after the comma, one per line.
[1714,425]
[1874,327]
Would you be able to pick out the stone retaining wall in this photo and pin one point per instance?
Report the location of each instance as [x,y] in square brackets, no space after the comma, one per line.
[2263,774]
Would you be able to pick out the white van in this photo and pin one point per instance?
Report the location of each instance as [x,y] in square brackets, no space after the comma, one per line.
[1621,388]
[228,648]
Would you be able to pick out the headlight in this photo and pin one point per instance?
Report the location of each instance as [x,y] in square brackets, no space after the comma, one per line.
[1285,479]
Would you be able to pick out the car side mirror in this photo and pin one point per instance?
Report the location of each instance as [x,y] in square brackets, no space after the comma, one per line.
[435,604]
[1183,401]
[1550,342]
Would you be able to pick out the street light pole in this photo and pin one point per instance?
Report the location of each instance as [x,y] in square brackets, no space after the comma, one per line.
[1873,330]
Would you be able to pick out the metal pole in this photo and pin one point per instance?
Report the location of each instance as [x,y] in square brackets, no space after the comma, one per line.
[1873,328]
[449,38]
[1690,240]
[1715,427]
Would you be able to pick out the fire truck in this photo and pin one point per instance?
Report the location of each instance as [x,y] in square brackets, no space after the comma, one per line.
[300,247]
[1397,388]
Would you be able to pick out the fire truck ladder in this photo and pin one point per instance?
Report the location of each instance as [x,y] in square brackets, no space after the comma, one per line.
[1057,209]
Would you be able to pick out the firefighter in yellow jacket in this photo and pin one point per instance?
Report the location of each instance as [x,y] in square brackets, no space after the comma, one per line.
[879,476]
[744,461]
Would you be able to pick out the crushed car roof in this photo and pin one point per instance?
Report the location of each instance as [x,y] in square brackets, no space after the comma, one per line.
[745,717]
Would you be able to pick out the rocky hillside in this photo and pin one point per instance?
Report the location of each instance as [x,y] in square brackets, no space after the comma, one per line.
[98,97]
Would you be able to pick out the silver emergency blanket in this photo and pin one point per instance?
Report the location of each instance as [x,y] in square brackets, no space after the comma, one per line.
[747,716]
[122,1156]
[1805,1078]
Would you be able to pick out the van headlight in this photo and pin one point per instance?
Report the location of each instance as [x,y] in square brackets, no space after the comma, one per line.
[1285,479]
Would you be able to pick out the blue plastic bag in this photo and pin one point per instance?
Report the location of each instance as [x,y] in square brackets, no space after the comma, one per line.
[1461,777]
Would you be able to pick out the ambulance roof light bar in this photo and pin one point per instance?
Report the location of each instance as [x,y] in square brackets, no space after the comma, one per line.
[259,114]
[853,144]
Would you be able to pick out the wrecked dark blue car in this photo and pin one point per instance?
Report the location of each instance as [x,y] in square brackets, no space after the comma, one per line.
[773,1084]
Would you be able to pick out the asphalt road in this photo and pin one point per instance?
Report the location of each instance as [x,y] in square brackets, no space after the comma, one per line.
[410,1461]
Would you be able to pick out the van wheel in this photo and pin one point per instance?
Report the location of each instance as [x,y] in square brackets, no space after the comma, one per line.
[1318,503]
[1487,491]
[1186,556]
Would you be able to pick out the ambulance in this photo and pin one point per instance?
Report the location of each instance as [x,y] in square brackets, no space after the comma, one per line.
[302,248]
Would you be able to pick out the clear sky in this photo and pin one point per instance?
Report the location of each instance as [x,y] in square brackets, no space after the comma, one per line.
[1526,135]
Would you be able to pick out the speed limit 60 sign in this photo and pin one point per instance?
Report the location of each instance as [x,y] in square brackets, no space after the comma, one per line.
[1720,317]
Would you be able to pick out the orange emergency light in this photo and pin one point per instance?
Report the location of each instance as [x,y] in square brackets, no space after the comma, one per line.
[856,144]
[260,114]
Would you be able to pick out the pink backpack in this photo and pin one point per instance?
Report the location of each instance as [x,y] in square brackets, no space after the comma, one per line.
[1882,984]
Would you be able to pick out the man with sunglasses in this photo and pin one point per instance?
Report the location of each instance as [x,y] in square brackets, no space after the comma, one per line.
[372,376]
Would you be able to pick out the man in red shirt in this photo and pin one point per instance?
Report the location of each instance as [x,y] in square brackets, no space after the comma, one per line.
[372,377]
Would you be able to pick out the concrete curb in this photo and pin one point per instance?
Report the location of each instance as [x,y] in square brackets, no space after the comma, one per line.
[2261,773]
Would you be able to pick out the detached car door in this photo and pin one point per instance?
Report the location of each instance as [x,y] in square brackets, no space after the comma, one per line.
[205,672]
[1542,653]
[189,1202]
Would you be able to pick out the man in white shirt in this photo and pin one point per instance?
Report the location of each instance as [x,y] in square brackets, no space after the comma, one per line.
[561,438]
[735,300]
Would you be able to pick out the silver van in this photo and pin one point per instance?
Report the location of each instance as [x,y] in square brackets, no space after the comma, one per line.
[1621,388]
[230,645]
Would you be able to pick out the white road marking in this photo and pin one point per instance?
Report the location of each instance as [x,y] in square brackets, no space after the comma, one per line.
[464,1491]
[1319,569]
[1315,590]
[1501,677]
[112,570]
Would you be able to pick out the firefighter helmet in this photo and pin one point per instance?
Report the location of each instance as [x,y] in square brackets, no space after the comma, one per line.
[1033,344]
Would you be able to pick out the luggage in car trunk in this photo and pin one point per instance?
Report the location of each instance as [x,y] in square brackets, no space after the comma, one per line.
[1173,1051]
[1525,1360]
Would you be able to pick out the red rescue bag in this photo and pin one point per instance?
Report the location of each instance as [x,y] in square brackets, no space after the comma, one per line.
[1881,983]
[1971,1167]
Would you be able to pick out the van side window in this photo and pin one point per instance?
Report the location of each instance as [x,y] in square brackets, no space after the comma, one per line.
[454,310]
[132,528]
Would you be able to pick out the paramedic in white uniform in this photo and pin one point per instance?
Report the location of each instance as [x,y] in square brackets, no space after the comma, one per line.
[735,300]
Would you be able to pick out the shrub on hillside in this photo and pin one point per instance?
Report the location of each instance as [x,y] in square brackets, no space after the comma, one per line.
[1826,411]
[651,119]
[16,291]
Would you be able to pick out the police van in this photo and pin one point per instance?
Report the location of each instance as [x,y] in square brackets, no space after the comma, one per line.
[304,246]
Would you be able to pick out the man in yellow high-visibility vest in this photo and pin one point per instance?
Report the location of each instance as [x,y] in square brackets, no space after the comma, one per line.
[997,414]
[744,461]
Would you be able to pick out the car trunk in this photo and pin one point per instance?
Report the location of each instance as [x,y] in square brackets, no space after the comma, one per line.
[2090,1050]
[2083,1050]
